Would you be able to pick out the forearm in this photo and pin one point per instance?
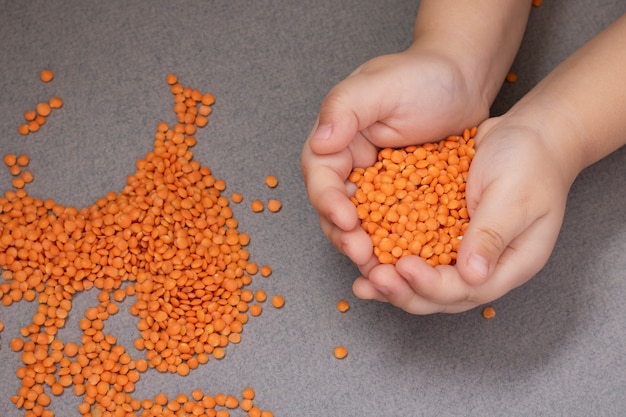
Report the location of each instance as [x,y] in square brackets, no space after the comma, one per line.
[482,35]
[580,106]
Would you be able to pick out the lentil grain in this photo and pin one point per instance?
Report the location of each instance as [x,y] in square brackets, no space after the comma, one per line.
[340,352]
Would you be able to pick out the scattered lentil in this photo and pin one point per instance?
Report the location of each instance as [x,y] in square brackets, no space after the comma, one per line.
[236,198]
[171,79]
[260,296]
[257,206]
[34,125]
[55,103]
[248,393]
[46,75]
[16,344]
[169,237]
[23,160]
[274,205]
[278,301]
[252,268]
[23,129]
[231,402]
[36,118]
[30,115]
[27,177]
[256,310]
[271,181]
[18,183]
[10,160]
[15,170]
[343,306]
[340,352]
[489,312]
[43,109]
[511,77]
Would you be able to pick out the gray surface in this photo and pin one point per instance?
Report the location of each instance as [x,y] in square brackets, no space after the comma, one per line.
[556,346]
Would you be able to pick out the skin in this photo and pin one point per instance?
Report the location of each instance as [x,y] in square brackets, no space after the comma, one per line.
[421,95]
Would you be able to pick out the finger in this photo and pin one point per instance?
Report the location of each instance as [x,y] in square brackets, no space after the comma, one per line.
[365,290]
[363,105]
[387,280]
[348,108]
[325,177]
[523,258]
[441,286]
[355,243]
[503,213]
[367,266]
[444,285]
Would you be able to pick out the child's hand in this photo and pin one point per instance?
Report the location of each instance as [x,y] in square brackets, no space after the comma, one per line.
[516,193]
[412,97]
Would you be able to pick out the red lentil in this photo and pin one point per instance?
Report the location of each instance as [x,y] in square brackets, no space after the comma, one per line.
[274,205]
[343,306]
[10,160]
[340,352]
[511,77]
[278,301]
[489,312]
[23,160]
[23,129]
[55,103]
[166,266]
[43,109]
[412,201]
[236,198]
[30,115]
[256,310]
[260,296]
[257,206]
[46,75]
[271,181]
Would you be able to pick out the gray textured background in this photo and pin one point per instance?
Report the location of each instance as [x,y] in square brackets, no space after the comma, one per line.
[557,345]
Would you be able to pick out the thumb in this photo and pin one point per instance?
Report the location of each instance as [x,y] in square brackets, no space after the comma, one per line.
[348,108]
[499,217]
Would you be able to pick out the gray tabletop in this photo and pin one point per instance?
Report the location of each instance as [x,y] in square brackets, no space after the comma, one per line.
[557,344]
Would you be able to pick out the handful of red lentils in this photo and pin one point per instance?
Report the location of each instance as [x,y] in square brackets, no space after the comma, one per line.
[412,200]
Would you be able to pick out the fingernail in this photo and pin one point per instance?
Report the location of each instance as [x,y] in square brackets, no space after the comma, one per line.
[479,265]
[323,132]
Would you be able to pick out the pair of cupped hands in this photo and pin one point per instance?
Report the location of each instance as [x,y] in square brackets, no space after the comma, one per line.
[516,188]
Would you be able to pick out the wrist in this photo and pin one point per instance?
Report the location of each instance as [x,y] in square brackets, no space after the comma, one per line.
[559,134]
[460,80]
[480,36]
